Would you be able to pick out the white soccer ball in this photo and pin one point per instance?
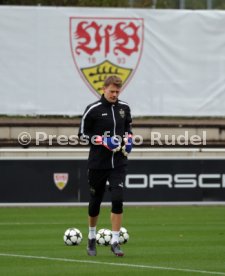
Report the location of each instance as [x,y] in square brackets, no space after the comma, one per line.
[124,236]
[72,236]
[104,237]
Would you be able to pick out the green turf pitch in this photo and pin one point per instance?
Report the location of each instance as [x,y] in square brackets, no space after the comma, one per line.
[163,241]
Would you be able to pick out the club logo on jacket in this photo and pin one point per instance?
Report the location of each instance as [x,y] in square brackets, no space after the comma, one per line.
[122,113]
[104,46]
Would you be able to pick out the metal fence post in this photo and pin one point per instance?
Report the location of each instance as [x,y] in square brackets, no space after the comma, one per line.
[131,3]
[182,4]
[209,4]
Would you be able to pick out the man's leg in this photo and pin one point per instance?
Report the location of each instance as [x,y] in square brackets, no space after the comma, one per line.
[92,222]
[116,220]
[116,186]
[91,247]
[97,188]
[93,211]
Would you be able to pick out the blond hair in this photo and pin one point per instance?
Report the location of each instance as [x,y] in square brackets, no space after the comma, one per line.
[113,80]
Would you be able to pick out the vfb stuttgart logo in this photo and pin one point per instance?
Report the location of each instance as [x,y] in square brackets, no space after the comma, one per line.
[61,180]
[106,46]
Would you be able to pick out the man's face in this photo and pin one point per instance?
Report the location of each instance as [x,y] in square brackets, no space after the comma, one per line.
[111,93]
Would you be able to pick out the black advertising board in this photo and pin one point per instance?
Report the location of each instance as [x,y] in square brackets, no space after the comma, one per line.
[39,180]
[147,180]
[176,180]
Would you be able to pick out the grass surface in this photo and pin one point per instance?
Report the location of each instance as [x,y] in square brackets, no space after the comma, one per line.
[163,241]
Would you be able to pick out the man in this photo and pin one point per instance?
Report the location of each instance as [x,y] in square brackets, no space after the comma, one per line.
[107,125]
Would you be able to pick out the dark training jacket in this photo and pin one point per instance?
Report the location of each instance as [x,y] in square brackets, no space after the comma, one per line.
[105,118]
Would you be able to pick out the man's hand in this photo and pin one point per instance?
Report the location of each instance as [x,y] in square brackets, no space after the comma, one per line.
[111,143]
[128,144]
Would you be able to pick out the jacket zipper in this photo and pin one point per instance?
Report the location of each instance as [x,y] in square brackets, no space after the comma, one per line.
[114,132]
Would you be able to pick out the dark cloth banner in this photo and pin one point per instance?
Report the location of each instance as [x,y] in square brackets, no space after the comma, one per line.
[47,180]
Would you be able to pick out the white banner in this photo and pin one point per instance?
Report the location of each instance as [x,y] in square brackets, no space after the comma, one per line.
[54,60]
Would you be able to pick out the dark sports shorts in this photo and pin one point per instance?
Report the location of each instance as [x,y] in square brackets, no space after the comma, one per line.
[98,179]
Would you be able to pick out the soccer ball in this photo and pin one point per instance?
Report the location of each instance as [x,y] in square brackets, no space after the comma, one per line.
[72,236]
[104,237]
[124,236]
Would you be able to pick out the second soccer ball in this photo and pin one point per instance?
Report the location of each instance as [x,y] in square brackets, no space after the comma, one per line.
[124,236]
[72,236]
[104,237]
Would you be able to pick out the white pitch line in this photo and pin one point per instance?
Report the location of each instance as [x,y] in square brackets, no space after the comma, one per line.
[85,204]
[113,264]
[66,223]
[34,223]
